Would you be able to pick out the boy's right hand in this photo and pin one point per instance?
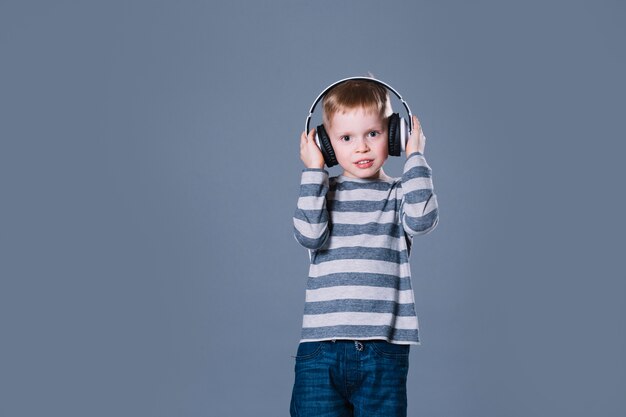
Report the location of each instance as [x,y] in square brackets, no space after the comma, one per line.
[309,151]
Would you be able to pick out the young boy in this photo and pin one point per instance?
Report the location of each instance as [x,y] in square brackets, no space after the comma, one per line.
[359,316]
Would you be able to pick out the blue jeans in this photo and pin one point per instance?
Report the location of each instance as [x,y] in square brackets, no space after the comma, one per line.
[350,378]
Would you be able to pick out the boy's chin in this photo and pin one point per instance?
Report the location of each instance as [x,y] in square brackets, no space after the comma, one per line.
[366,174]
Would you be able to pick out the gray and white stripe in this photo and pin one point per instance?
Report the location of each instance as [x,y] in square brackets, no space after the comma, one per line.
[359,233]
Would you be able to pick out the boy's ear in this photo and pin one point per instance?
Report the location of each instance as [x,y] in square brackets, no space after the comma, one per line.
[323,141]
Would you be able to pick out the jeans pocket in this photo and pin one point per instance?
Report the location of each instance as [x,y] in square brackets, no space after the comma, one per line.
[308,351]
[390,350]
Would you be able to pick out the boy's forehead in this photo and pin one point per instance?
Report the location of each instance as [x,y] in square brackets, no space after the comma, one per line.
[357,109]
[347,120]
[369,113]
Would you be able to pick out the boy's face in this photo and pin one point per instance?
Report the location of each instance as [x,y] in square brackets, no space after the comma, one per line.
[359,139]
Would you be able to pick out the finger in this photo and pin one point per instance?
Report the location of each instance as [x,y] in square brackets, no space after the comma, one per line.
[303,139]
[312,134]
[416,123]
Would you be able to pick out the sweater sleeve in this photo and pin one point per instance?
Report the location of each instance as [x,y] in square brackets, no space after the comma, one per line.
[419,211]
[310,220]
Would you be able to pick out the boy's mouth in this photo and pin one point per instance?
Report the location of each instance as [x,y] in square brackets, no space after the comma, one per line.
[364,163]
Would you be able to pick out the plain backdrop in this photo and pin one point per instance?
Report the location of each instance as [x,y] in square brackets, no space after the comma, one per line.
[149,169]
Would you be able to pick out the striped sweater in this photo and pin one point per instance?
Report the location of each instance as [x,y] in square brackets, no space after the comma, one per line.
[359,234]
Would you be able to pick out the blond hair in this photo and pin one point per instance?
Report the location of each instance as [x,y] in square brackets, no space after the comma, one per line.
[353,94]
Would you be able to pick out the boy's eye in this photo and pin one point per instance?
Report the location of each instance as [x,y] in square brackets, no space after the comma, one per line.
[345,138]
[373,134]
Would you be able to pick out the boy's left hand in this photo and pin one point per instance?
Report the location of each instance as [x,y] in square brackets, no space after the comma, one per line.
[417,140]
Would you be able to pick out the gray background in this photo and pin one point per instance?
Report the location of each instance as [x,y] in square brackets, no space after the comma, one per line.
[149,170]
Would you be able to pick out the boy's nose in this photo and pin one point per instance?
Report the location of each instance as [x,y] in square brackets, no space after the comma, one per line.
[362,146]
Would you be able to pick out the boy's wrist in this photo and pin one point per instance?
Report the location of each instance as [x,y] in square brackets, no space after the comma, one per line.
[414,153]
[314,166]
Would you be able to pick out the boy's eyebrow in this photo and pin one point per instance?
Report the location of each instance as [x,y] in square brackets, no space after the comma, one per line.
[369,129]
[377,128]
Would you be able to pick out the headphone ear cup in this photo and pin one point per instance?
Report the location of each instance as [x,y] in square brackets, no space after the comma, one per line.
[404,133]
[323,141]
[394,135]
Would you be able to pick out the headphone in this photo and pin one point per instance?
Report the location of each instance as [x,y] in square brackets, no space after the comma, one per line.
[398,130]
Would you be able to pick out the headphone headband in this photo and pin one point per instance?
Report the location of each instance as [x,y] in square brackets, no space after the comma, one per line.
[387,86]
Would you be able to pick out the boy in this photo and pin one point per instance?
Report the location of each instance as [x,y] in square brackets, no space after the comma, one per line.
[359,316]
